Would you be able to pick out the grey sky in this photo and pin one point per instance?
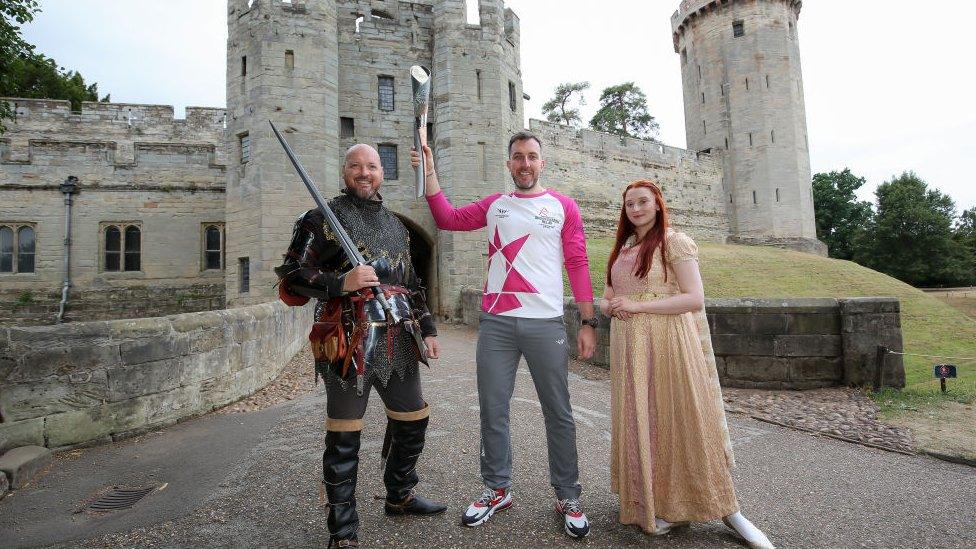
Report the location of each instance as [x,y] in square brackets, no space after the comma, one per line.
[886,81]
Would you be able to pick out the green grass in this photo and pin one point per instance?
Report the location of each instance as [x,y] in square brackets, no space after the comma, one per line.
[929,326]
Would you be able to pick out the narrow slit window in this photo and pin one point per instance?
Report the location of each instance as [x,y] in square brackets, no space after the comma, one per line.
[750,139]
[388,158]
[347,127]
[738,29]
[767,81]
[289,59]
[244,275]
[755,200]
[747,84]
[386,93]
[726,142]
[512,99]
[777,195]
[704,128]
[772,136]
[477,74]
[243,65]
[245,141]
[703,98]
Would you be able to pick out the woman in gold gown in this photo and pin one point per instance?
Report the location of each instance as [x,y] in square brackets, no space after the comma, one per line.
[670,451]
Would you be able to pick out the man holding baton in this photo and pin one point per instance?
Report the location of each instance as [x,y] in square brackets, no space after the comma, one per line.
[360,344]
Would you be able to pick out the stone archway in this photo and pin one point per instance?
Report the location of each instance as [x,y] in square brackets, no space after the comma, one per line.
[422,249]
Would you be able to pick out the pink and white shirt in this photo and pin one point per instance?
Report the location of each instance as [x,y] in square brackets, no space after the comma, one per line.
[530,238]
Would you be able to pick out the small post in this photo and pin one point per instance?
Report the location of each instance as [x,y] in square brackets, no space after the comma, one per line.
[879,367]
[942,380]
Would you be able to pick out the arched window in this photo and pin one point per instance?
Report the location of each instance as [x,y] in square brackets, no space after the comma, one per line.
[17,248]
[6,250]
[212,249]
[25,250]
[133,249]
[113,249]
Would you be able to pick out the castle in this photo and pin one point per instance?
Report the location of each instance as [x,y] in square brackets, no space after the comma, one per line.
[175,215]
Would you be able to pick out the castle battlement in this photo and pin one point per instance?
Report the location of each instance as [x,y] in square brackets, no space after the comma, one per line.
[594,142]
[28,110]
[689,10]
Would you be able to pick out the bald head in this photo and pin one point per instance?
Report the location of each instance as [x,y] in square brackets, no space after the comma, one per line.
[362,171]
[361,148]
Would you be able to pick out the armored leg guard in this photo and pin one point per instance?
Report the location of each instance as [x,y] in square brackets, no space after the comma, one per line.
[340,463]
[407,431]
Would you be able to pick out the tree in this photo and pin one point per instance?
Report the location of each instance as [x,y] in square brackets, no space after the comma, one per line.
[24,73]
[38,76]
[13,13]
[840,216]
[911,237]
[559,109]
[965,234]
[623,111]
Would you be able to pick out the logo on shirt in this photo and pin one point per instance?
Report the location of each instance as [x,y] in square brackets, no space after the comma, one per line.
[547,221]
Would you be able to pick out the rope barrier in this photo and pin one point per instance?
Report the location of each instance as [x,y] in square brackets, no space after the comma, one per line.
[958,358]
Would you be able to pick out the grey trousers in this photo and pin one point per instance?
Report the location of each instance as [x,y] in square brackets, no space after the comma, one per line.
[502,341]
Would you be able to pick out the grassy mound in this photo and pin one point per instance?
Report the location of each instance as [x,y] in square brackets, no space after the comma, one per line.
[929,326]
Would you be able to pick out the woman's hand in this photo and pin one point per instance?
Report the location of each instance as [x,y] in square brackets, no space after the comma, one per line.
[624,307]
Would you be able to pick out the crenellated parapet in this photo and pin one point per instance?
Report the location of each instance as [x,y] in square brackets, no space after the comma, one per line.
[109,136]
[690,10]
[595,168]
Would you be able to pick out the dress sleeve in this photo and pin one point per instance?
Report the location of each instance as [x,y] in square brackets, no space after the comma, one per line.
[681,248]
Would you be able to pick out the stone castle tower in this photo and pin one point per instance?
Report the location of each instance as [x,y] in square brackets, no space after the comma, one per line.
[282,65]
[332,73]
[743,97]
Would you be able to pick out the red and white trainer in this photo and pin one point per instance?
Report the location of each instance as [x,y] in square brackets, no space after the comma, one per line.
[576,524]
[491,500]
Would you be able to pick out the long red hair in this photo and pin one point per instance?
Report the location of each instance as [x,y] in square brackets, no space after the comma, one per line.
[654,239]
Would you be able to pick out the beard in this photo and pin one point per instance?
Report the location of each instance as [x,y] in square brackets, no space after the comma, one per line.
[363,193]
[525,186]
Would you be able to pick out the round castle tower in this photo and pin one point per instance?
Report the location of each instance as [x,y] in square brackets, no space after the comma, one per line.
[743,96]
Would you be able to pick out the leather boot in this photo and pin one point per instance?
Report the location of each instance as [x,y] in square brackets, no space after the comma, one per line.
[400,477]
[340,463]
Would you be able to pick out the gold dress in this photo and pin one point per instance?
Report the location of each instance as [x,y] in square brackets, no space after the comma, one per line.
[670,449]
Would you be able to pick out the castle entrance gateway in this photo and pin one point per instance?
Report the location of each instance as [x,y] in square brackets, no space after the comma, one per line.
[422,252]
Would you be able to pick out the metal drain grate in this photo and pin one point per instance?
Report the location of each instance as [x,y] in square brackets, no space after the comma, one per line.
[120,498]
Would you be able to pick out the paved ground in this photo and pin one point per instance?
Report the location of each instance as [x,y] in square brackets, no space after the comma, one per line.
[250,480]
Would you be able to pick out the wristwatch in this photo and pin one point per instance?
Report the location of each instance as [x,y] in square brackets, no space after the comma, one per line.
[592,322]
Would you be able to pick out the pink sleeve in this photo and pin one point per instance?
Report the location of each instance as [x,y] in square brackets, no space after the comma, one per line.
[574,251]
[466,218]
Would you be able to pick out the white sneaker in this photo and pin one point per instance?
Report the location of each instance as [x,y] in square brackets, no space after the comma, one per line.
[576,524]
[491,500]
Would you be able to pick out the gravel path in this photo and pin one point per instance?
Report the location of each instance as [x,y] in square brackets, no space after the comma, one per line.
[843,413]
[251,480]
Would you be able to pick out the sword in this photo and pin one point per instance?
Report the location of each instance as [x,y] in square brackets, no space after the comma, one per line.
[420,80]
[352,252]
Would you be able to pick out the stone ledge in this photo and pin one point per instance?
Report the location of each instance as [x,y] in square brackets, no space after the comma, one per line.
[21,464]
[138,374]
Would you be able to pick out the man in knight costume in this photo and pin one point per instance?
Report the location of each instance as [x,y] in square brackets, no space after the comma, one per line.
[358,345]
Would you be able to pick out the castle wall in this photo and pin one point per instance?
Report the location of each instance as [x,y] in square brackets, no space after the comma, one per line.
[136,165]
[595,168]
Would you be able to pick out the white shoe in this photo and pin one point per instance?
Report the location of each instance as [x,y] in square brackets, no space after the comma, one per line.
[747,531]
[662,526]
